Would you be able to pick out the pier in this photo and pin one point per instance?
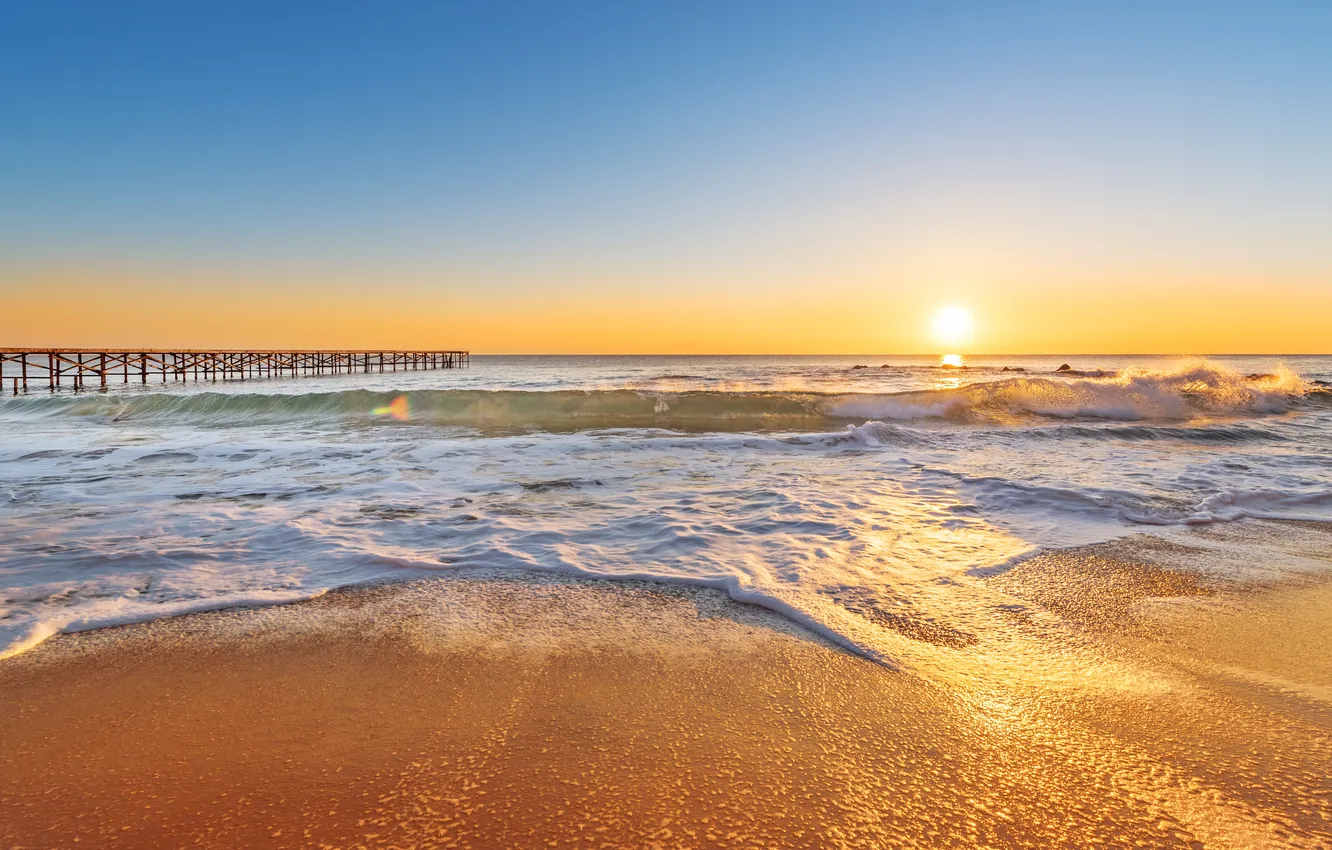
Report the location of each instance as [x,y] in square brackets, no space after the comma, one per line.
[81,368]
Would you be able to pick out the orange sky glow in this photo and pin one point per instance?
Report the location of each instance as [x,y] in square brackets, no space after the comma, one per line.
[1094,315]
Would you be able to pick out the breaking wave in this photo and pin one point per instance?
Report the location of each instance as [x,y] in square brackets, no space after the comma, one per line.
[1201,390]
[1198,390]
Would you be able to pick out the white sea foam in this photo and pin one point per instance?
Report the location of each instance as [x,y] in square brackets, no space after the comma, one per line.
[865,512]
[123,611]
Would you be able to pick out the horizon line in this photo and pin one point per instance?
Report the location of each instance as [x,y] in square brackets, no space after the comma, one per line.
[916,354]
[475,353]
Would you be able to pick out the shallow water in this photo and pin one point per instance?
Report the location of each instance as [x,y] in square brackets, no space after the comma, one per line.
[866,503]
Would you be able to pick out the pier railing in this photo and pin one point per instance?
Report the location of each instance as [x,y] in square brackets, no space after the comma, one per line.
[80,368]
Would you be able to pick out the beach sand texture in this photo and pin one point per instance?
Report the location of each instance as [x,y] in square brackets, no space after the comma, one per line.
[532,710]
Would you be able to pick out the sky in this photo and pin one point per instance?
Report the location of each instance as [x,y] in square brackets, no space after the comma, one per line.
[667,177]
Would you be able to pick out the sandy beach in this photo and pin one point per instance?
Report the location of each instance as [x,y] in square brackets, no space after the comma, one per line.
[534,710]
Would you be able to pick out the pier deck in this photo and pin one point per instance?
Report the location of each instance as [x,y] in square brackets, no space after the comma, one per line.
[80,368]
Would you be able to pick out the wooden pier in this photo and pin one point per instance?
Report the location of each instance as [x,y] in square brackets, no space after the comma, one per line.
[81,368]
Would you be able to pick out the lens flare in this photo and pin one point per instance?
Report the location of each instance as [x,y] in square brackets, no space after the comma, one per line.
[397,408]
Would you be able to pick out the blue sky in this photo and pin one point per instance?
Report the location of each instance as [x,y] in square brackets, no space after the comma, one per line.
[736,147]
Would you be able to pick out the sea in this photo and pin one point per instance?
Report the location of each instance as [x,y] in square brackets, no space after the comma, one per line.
[865,498]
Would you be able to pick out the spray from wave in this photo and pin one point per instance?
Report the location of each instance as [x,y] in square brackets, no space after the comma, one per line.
[1195,390]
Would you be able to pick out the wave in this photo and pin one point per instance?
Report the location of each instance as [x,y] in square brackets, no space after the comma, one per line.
[502,409]
[1201,390]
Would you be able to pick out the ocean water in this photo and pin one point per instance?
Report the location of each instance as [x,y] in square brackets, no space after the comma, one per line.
[864,497]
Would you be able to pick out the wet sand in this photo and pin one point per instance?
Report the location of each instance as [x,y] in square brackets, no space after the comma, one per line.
[516,710]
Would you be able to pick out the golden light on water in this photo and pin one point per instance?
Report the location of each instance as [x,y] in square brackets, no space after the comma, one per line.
[952,327]
[951,361]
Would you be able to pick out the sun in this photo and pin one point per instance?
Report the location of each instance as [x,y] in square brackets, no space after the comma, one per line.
[952,326]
